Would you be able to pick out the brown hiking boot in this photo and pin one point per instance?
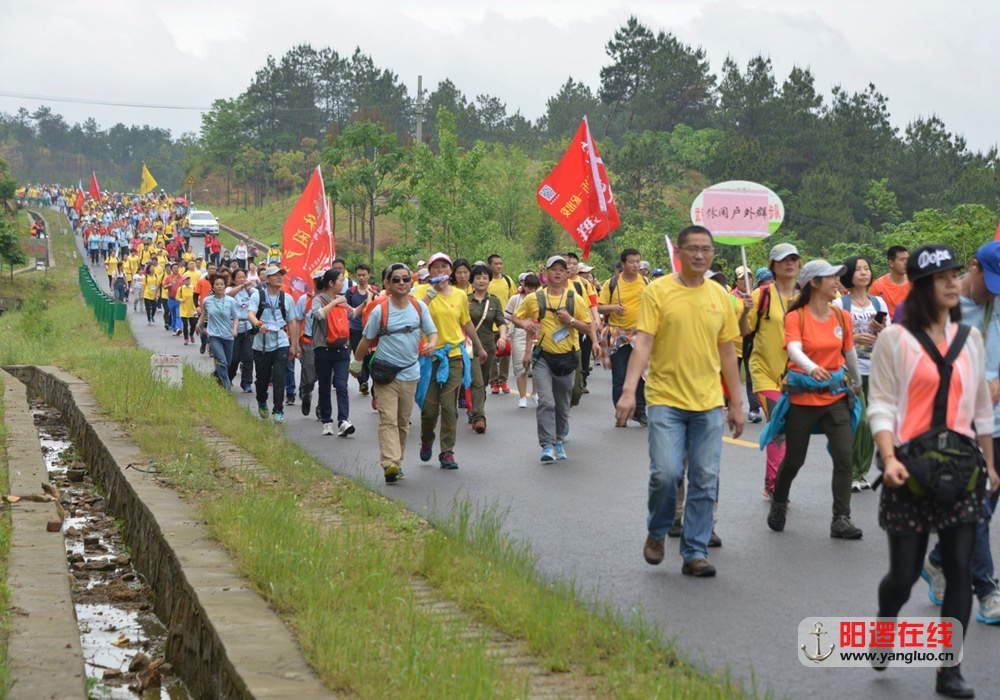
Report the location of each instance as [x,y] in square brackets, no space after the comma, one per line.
[652,551]
[698,567]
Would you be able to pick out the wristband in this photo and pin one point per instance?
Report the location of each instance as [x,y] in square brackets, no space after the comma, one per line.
[355,366]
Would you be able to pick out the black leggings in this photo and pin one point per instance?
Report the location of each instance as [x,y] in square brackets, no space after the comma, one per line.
[906,558]
[188,324]
[151,306]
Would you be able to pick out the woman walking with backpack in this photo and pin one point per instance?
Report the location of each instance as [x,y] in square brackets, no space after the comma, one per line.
[919,397]
[869,314]
[331,351]
[820,343]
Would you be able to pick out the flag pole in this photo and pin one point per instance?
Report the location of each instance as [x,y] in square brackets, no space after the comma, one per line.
[596,176]
[746,270]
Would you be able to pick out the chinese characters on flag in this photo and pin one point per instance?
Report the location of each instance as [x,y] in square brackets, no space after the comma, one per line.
[307,246]
[577,193]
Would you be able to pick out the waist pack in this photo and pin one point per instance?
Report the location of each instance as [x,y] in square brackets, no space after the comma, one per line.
[383,372]
[943,464]
[559,364]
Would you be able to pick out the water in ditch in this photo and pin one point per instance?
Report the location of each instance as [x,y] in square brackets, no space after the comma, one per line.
[122,638]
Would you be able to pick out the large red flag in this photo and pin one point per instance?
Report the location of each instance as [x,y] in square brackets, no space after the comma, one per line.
[95,190]
[577,193]
[307,246]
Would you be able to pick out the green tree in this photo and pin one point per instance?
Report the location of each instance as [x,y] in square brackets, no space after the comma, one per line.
[368,164]
[222,133]
[881,203]
[643,170]
[11,251]
[566,108]
[453,207]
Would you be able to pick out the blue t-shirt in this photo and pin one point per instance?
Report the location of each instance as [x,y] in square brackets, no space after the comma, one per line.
[974,314]
[220,314]
[400,349]
[277,335]
[356,298]
[242,299]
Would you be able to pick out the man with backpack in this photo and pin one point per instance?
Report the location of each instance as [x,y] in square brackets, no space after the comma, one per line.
[396,323]
[272,316]
[358,295]
[619,302]
[554,317]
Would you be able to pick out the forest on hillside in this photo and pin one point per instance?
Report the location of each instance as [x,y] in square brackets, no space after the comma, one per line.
[666,126]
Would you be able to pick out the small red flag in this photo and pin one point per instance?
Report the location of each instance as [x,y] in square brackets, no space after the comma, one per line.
[577,193]
[95,190]
[307,246]
[79,200]
[997,236]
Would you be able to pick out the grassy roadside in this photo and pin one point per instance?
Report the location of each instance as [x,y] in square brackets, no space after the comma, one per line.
[335,559]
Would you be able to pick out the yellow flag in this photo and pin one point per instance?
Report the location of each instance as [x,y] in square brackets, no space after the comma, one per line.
[148,183]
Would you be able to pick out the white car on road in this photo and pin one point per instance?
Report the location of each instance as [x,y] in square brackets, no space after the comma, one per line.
[202,221]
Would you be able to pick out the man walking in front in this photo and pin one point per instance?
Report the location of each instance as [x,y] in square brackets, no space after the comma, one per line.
[396,324]
[685,333]
[503,288]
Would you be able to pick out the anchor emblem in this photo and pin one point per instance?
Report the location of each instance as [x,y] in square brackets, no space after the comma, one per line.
[820,656]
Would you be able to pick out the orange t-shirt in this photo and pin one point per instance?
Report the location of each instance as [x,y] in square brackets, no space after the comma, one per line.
[824,342]
[893,294]
[202,288]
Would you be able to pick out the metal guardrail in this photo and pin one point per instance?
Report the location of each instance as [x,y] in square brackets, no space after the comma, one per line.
[106,308]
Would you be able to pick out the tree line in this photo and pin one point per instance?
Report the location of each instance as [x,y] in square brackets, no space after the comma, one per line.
[667,126]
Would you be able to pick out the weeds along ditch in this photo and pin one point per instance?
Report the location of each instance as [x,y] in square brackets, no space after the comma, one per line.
[123,640]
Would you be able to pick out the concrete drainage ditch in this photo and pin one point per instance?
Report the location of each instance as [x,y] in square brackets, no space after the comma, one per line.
[220,637]
[123,641]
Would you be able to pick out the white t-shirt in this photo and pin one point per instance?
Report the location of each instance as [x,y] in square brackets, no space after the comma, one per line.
[862,317]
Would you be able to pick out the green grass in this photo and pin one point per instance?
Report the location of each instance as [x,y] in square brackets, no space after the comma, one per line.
[344,589]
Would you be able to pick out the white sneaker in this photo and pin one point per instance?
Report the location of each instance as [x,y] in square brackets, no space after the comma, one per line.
[934,577]
[989,608]
[855,486]
[328,429]
[345,428]
[522,402]
[534,397]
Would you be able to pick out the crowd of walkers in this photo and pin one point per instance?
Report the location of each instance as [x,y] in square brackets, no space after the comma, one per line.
[900,374]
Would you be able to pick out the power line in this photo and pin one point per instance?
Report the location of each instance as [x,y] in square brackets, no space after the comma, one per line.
[106,103]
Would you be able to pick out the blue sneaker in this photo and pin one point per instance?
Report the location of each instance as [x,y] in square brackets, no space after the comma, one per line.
[279,417]
[262,410]
[548,454]
[425,452]
[560,451]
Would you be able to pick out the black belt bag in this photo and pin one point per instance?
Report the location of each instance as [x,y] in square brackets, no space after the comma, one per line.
[559,364]
[943,464]
[383,372]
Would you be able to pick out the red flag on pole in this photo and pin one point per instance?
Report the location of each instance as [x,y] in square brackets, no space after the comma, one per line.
[997,236]
[95,190]
[307,246]
[577,193]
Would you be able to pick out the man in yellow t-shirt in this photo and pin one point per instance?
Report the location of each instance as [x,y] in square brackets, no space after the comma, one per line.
[619,301]
[449,309]
[503,288]
[685,332]
[556,327]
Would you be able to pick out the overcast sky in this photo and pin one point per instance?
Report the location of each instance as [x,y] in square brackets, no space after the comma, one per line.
[928,57]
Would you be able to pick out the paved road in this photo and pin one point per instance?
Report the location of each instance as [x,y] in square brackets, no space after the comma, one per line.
[585,519]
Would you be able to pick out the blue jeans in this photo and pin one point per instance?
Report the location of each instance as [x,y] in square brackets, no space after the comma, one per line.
[222,352]
[175,314]
[332,370]
[676,435]
[290,378]
[619,367]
